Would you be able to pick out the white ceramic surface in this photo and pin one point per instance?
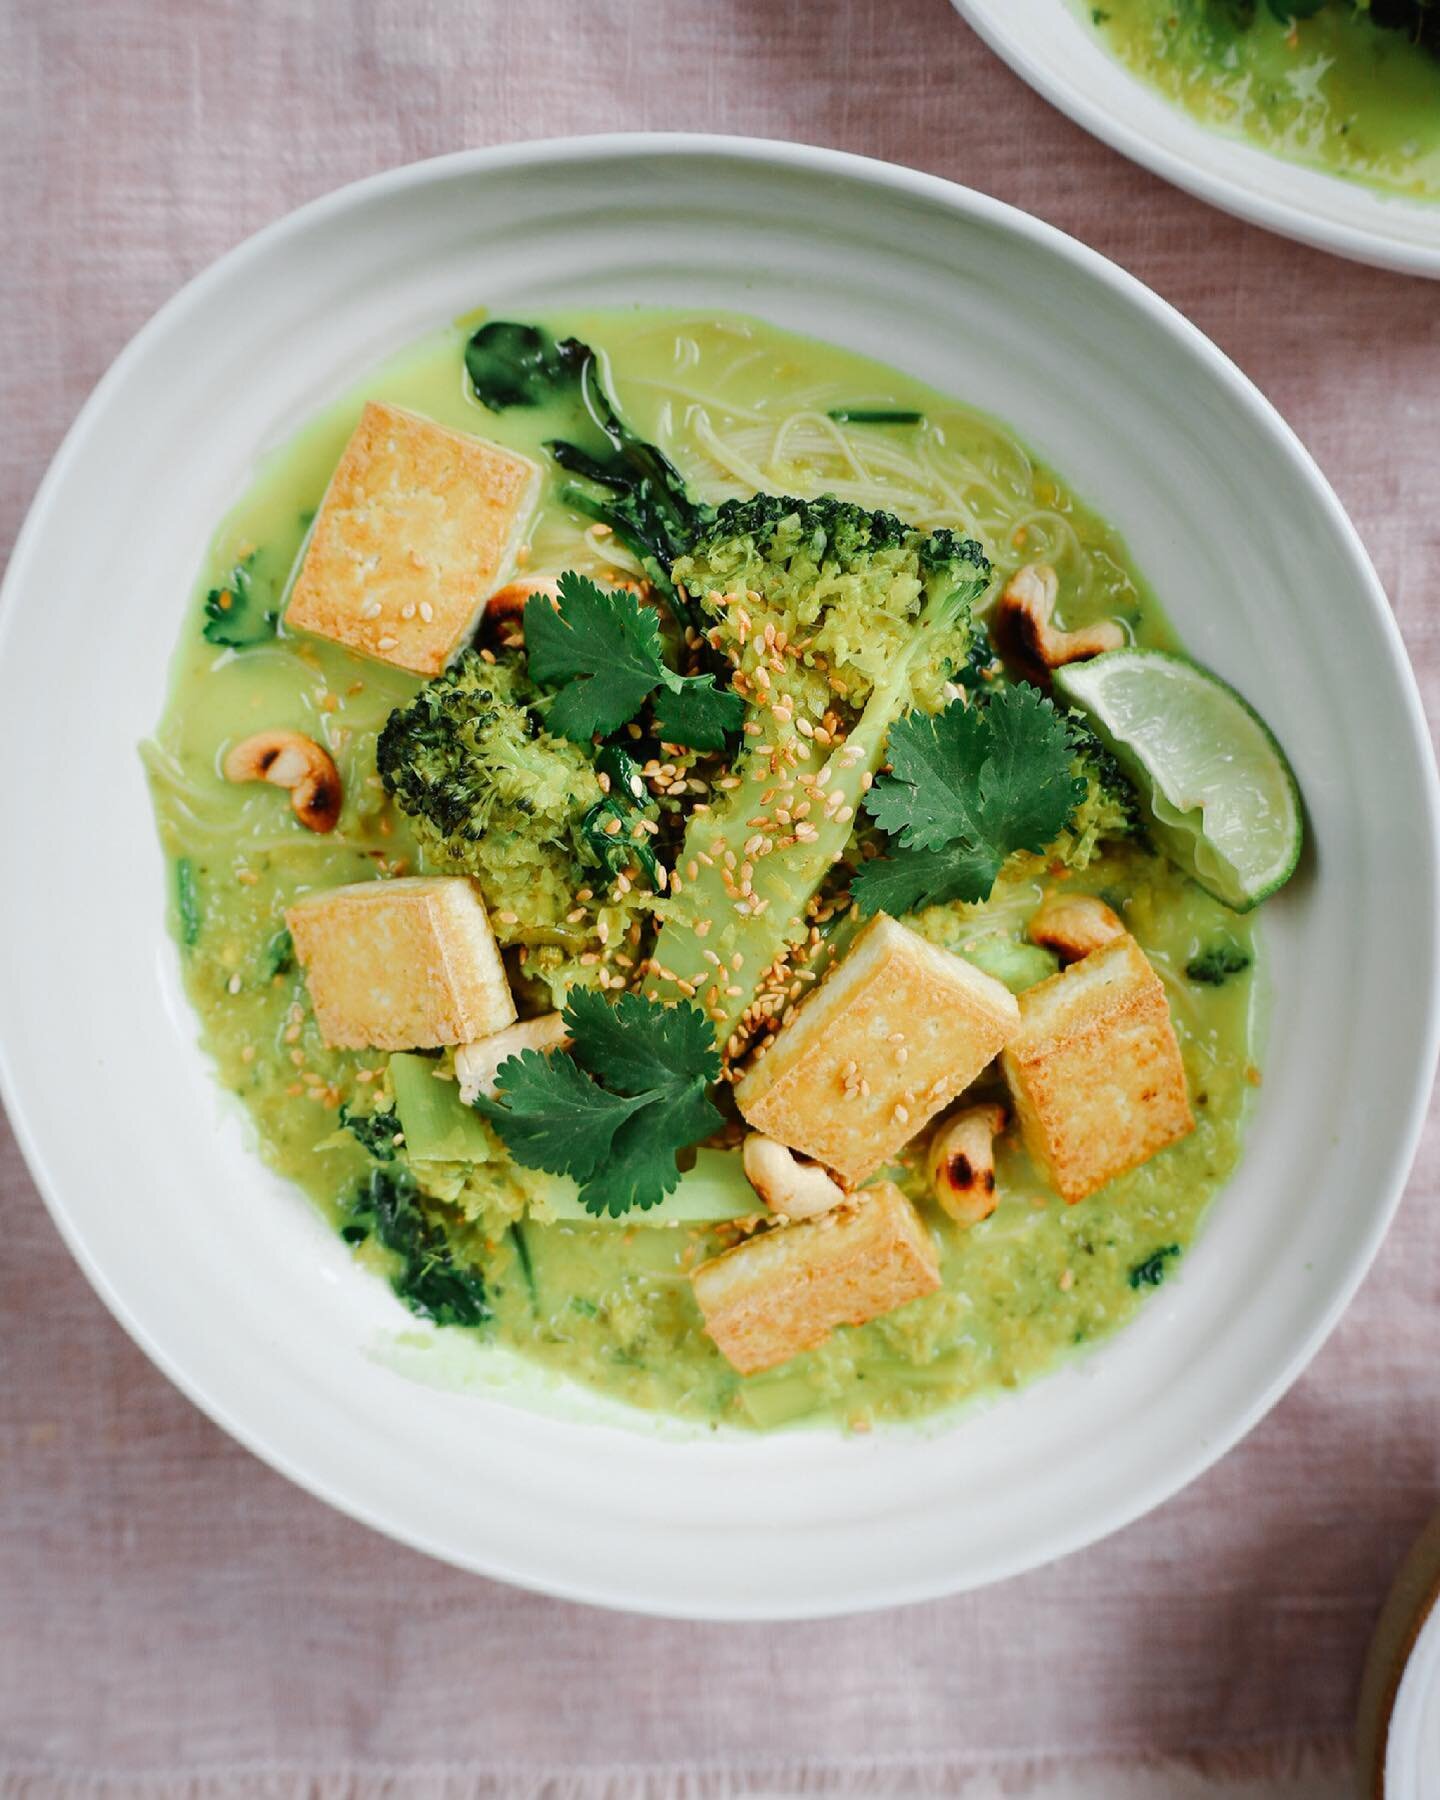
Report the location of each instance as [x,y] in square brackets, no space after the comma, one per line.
[227,1278]
[1048,45]
[1412,1746]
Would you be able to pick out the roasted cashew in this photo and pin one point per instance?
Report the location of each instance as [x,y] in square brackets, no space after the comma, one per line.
[1072,925]
[961,1163]
[1023,622]
[477,1064]
[504,615]
[289,759]
[787,1183]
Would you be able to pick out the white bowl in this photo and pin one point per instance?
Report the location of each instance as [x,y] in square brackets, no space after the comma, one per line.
[226,1276]
[1050,47]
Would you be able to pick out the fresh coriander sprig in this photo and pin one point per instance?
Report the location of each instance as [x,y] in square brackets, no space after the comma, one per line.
[615,1110]
[603,651]
[966,789]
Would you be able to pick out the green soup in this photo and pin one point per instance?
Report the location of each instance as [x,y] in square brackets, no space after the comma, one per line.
[1332,91]
[739,406]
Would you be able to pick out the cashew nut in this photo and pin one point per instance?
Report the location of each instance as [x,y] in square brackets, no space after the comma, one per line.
[787,1183]
[961,1163]
[477,1064]
[289,759]
[1072,925]
[1024,615]
[504,615]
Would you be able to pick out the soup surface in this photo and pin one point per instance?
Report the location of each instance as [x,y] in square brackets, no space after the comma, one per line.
[740,407]
[1331,91]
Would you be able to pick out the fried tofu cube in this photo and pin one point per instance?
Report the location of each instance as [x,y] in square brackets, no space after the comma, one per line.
[891,1035]
[1095,1070]
[401,965]
[786,1290]
[418,528]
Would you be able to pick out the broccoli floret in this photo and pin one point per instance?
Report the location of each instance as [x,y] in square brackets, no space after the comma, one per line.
[469,761]
[1111,807]
[492,794]
[835,620]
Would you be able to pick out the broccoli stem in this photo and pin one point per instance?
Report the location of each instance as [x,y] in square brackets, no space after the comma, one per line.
[713,921]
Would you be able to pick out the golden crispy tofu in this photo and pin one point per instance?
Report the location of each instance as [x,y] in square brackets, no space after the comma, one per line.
[892,1034]
[418,528]
[401,965]
[1095,1070]
[786,1290]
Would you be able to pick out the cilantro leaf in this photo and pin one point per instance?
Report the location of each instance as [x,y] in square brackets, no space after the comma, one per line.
[636,1045]
[619,1141]
[967,789]
[932,796]
[554,1117]
[909,880]
[603,652]
[1027,789]
[690,709]
[604,648]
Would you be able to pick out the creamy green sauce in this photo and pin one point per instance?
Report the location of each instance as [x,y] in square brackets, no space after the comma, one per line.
[1331,91]
[738,404]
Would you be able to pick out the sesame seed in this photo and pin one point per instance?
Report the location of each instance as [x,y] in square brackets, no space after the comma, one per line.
[427,611]
[370,609]
[901,1116]
[386,643]
[611,828]
[407,611]
[508,918]
[574,918]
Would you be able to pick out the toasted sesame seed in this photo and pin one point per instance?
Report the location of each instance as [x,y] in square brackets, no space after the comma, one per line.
[611,828]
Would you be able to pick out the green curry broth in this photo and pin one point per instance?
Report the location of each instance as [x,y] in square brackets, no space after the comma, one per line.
[610,1304]
[1331,91]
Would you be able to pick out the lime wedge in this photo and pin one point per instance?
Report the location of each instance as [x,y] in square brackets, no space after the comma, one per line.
[1221,799]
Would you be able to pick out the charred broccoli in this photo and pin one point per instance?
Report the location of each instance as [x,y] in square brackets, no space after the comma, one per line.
[492,794]
[834,620]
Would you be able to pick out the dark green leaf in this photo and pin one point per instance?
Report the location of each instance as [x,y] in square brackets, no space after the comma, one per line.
[1151,1272]
[874,415]
[932,795]
[967,789]
[635,1045]
[909,880]
[642,1168]
[605,649]
[235,616]
[692,710]
[520,365]
[429,1280]
[187,902]
[279,957]
[551,1116]
[1214,965]
[375,1131]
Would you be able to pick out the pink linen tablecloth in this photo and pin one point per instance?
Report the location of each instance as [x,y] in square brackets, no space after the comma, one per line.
[176,1618]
